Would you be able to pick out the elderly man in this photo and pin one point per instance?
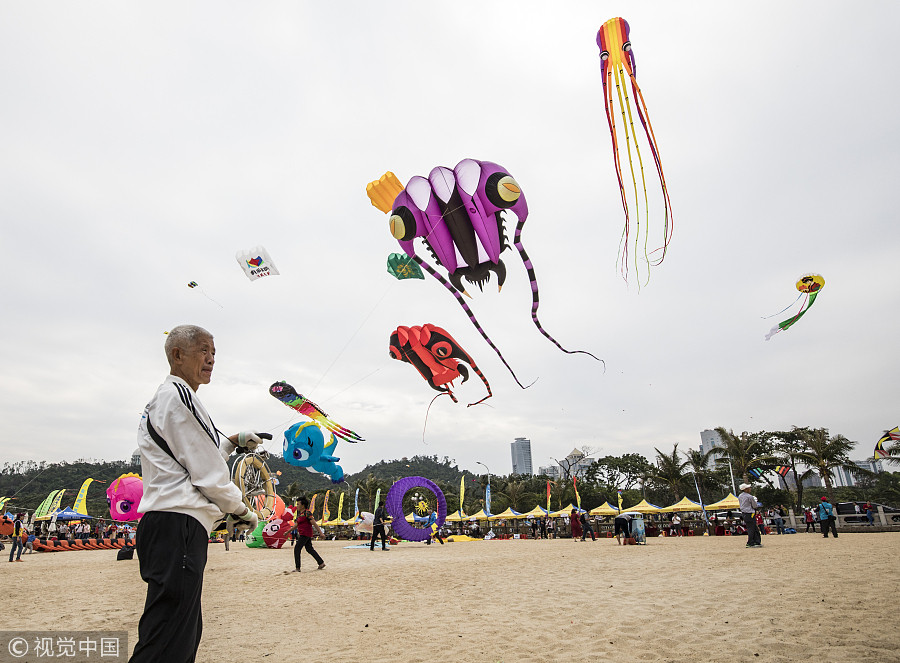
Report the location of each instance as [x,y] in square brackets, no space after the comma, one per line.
[187,488]
[748,515]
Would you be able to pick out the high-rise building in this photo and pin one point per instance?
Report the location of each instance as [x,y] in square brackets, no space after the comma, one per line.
[521,456]
[843,477]
[709,440]
[576,464]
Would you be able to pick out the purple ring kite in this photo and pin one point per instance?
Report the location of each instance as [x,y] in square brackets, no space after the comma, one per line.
[394,505]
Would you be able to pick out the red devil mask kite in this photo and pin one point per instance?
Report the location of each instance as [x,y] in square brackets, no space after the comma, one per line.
[436,355]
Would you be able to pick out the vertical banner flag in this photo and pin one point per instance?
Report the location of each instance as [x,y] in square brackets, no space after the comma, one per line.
[54,505]
[577,496]
[620,500]
[340,513]
[43,506]
[377,498]
[487,499]
[462,492]
[356,504]
[326,513]
[81,501]
[548,497]
[312,504]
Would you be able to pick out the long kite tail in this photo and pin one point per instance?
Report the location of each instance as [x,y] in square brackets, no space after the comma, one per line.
[644,115]
[611,121]
[285,393]
[535,298]
[336,429]
[782,326]
[486,384]
[459,300]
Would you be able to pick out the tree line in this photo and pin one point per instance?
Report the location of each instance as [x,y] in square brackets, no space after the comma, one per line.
[664,480]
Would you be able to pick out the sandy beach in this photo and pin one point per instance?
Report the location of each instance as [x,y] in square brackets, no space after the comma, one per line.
[799,598]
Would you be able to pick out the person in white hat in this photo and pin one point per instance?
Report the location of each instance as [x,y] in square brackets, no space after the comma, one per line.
[748,515]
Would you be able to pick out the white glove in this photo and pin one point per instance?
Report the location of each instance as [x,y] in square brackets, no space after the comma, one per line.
[250,440]
[248,520]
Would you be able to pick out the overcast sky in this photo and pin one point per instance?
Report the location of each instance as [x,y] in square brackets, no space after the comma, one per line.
[143,144]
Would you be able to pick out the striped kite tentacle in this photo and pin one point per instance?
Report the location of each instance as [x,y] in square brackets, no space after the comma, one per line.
[622,105]
[609,106]
[486,384]
[644,115]
[459,300]
[637,150]
[343,433]
[535,298]
[811,298]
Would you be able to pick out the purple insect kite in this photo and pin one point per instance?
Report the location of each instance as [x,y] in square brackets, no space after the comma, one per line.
[458,213]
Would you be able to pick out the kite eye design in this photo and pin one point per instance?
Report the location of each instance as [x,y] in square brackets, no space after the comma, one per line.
[502,190]
[402,224]
[442,349]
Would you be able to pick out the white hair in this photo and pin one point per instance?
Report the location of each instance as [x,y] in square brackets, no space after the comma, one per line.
[184,337]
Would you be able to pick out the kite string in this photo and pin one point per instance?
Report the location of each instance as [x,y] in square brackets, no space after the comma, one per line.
[425,424]
[766,317]
[369,315]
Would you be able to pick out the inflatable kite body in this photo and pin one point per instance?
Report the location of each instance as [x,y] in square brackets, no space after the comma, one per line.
[304,446]
[255,538]
[618,67]
[401,266]
[459,214]
[124,496]
[394,505]
[289,396]
[256,263]
[366,522]
[808,285]
[436,355]
[278,529]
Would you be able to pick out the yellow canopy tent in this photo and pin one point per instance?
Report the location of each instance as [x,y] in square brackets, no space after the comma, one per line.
[684,505]
[643,507]
[605,509]
[730,502]
[481,515]
[536,512]
[456,517]
[564,513]
[507,515]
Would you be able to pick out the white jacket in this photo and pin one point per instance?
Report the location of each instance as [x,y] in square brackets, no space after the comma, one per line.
[196,481]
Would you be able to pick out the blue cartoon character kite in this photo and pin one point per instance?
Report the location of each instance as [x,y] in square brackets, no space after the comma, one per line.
[304,446]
